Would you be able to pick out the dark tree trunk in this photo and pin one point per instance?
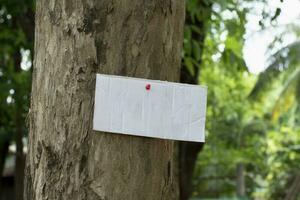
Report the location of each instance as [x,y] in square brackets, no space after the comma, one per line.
[188,151]
[188,156]
[18,135]
[3,154]
[20,157]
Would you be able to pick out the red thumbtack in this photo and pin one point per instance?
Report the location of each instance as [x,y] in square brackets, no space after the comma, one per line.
[148,86]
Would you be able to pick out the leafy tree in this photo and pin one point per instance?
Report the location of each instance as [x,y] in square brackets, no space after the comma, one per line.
[281,80]
[283,74]
[237,129]
[16,39]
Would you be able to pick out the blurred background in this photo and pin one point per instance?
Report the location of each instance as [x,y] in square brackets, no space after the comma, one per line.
[246,52]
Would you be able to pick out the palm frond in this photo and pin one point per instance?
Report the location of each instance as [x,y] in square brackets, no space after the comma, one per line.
[288,95]
[283,63]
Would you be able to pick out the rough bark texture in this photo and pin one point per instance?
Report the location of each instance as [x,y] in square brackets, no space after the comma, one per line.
[74,41]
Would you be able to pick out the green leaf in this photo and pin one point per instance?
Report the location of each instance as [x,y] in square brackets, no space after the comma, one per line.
[188,62]
[196,50]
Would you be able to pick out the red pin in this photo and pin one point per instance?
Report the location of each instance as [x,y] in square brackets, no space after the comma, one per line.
[148,87]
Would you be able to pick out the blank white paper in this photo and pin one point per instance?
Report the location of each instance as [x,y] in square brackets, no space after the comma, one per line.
[166,110]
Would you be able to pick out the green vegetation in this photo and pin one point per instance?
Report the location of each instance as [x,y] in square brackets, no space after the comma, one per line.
[16,45]
[252,121]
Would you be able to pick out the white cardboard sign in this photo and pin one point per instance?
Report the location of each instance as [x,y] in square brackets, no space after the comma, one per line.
[150,108]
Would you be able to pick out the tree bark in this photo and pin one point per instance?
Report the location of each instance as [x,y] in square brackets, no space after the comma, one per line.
[240,180]
[74,41]
[293,191]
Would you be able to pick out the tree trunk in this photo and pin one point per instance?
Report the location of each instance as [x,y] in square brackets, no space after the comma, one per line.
[4,144]
[293,191]
[74,41]
[188,151]
[18,136]
[20,157]
[240,180]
